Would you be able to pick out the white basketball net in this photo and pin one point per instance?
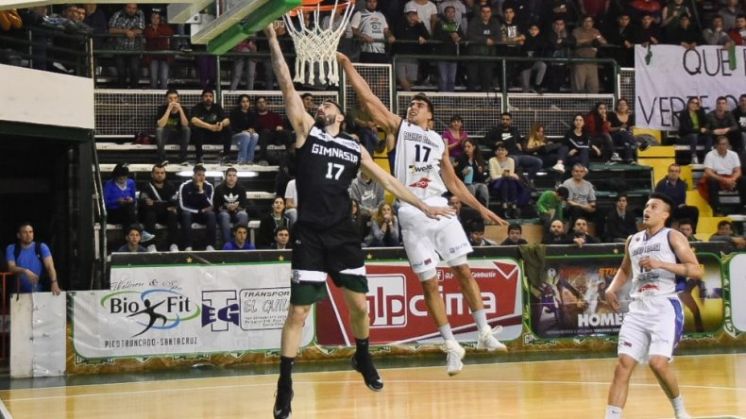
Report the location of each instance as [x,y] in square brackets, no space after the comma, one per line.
[317,45]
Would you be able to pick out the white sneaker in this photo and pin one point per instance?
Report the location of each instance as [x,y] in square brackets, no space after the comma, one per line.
[209,248]
[173,247]
[146,237]
[454,354]
[151,248]
[695,160]
[615,157]
[488,341]
[559,167]
[188,249]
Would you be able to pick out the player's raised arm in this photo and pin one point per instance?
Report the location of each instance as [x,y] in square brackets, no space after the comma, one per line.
[378,112]
[297,115]
[391,184]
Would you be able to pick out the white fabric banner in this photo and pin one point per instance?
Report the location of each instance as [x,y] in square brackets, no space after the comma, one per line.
[37,334]
[737,271]
[666,76]
[173,310]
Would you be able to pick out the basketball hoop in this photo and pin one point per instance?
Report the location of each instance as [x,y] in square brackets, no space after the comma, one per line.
[315,45]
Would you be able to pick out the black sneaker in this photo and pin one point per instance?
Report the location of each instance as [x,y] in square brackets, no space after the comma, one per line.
[369,373]
[283,397]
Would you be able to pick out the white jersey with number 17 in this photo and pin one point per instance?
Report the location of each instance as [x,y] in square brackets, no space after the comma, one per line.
[417,161]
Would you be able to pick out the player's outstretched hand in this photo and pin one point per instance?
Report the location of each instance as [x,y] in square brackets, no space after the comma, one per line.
[270,32]
[437,212]
[492,217]
[613,300]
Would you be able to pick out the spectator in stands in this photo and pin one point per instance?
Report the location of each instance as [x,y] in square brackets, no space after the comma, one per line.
[384,228]
[274,139]
[243,126]
[550,205]
[372,31]
[534,46]
[725,235]
[248,45]
[621,124]
[462,15]
[472,170]
[511,137]
[597,125]
[308,104]
[716,33]
[196,204]
[675,188]
[475,230]
[464,213]
[31,262]
[230,203]
[368,194]
[556,234]
[291,201]
[412,36]
[269,222]
[96,19]
[649,32]
[132,237]
[210,123]
[515,238]
[172,122]
[693,128]
[622,38]
[482,37]
[720,122]
[580,234]
[450,33]
[722,172]
[427,12]
[738,33]
[560,44]
[684,34]
[578,144]
[455,135]
[730,13]
[538,145]
[581,199]
[282,239]
[128,25]
[686,228]
[119,197]
[587,41]
[511,41]
[158,204]
[158,38]
[673,12]
[620,223]
[739,114]
[504,182]
[240,239]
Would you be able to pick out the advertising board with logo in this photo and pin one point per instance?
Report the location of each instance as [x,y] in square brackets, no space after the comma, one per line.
[397,306]
[184,309]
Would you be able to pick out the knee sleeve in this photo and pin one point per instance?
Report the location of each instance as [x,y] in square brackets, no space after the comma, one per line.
[428,274]
[457,261]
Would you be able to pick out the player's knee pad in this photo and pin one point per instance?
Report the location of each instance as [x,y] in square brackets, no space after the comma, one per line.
[457,261]
[428,274]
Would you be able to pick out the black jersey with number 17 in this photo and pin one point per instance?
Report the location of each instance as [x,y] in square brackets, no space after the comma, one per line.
[325,169]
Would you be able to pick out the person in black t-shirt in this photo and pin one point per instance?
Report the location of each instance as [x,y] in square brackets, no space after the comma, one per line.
[209,123]
[172,121]
[158,204]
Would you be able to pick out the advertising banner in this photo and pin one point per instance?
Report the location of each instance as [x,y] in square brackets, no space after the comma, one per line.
[572,301]
[737,274]
[161,310]
[666,76]
[398,312]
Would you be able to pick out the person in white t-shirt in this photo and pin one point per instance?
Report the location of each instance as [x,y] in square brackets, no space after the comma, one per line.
[723,172]
[291,202]
[370,27]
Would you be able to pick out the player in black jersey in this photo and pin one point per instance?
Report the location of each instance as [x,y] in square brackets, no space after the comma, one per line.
[325,240]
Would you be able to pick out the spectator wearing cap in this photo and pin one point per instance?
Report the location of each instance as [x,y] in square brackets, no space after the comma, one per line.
[210,123]
[427,12]
[119,198]
[158,38]
[196,204]
[412,36]
[240,239]
[128,25]
[132,236]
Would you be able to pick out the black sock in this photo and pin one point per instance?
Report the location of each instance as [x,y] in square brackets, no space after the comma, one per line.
[361,351]
[286,370]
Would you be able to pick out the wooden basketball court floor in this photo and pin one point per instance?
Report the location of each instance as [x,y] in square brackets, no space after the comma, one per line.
[714,386]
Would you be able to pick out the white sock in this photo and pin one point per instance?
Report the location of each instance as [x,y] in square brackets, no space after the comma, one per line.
[613,412]
[480,317]
[446,332]
[678,406]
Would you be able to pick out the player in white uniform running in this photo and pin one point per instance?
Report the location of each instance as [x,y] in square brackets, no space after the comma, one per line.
[653,326]
[422,164]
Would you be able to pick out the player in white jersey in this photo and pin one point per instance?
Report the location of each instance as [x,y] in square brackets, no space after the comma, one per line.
[422,164]
[653,326]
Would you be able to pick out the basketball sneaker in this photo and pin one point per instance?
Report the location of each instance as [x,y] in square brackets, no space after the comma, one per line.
[283,397]
[454,354]
[488,341]
[369,373]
